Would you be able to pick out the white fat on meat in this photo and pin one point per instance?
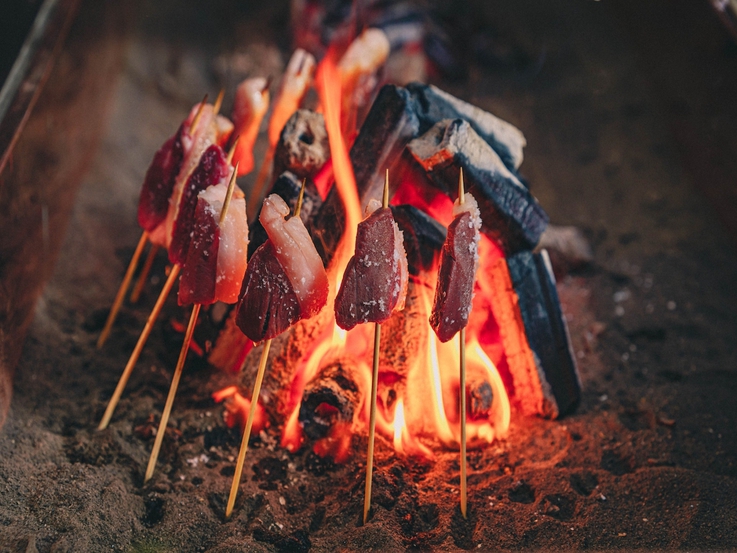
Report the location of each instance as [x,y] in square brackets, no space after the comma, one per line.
[233,246]
[296,253]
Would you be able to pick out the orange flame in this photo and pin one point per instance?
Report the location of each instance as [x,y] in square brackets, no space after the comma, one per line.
[421,406]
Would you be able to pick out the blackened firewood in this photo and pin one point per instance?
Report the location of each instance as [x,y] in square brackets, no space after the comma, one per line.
[509,213]
[332,396]
[389,126]
[423,237]
[434,105]
[547,333]
[287,187]
[480,397]
[303,145]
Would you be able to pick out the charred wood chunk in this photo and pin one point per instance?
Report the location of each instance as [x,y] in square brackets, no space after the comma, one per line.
[546,329]
[423,237]
[434,105]
[480,397]
[509,213]
[331,397]
[287,187]
[389,126]
[303,146]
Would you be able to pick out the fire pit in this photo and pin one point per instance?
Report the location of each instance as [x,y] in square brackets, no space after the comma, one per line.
[647,460]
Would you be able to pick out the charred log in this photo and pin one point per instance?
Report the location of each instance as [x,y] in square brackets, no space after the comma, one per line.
[479,397]
[331,397]
[546,329]
[432,105]
[509,213]
[287,187]
[390,125]
[534,335]
[303,145]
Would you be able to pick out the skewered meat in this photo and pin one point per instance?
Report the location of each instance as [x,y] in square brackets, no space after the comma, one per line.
[359,67]
[212,169]
[295,82]
[375,279]
[170,170]
[249,108]
[285,280]
[458,264]
[216,258]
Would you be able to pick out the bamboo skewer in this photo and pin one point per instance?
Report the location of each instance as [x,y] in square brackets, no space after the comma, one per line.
[122,290]
[247,431]
[254,400]
[141,282]
[183,354]
[172,392]
[374,386]
[464,489]
[218,102]
[372,424]
[139,347]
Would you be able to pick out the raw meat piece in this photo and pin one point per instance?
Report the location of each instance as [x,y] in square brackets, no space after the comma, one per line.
[375,280]
[458,264]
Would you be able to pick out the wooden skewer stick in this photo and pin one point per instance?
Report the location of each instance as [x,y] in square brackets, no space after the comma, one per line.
[139,347]
[247,431]
[172,392]
[196,120]
[122,290]
[464,488]
[254,401]
[374,385]
[218,102]
[143,277]
[183,355]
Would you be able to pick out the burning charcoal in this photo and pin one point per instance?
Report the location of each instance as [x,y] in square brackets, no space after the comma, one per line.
[555,379]
[434,105]
[480,397]
[390,125]
[303,145]
[567,246]
[509,213]
[287,188]
[330,397]
[423,237]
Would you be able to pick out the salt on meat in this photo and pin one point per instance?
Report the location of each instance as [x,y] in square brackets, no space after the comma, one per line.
[458,264]
[285,280]
[375,280]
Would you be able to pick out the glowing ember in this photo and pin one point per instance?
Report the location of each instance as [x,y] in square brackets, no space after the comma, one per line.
[236,410]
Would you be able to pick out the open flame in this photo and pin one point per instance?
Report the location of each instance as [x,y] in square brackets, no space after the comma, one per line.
[418,405]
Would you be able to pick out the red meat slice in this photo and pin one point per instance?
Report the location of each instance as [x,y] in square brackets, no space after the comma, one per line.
[375,280]
[159,182]
[458,262]
[268,304]
[212,169]
[197,284]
